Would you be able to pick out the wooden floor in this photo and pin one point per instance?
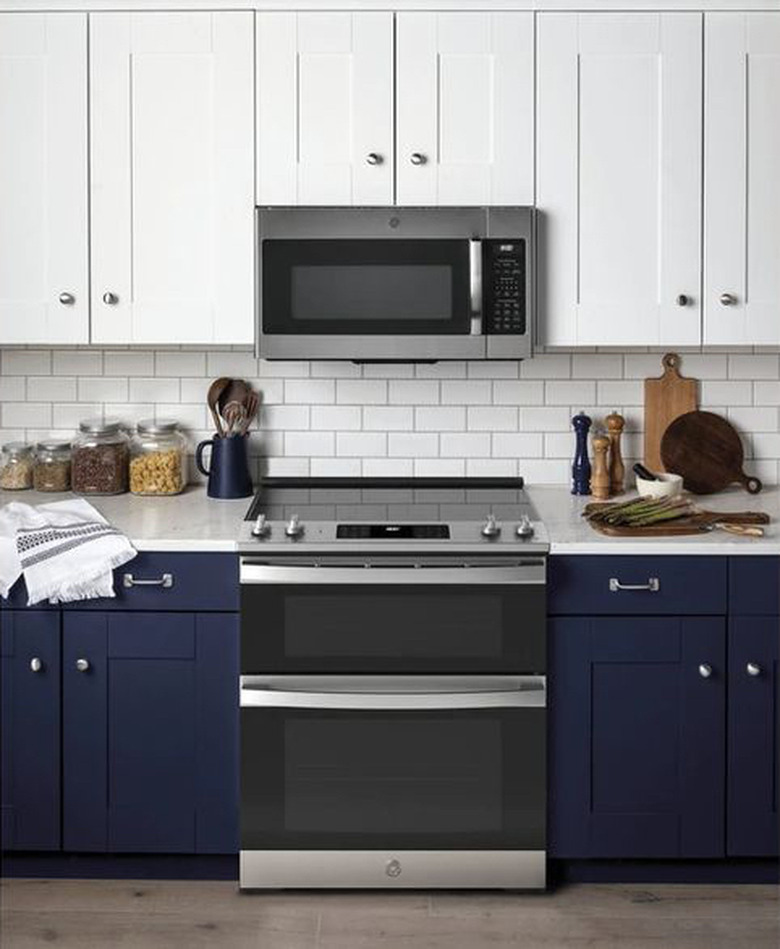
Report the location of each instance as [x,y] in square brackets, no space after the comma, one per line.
[162,914]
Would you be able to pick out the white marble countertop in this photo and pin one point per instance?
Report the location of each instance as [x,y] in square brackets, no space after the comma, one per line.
[570,533]
[193,522]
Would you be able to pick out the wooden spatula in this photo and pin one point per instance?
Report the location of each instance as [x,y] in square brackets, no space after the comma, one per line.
[666,398]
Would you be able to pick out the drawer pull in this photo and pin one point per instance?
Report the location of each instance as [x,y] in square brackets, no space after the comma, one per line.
[165,581]
[653,585]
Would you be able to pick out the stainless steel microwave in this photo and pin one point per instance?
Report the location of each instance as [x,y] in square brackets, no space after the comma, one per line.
[389,284]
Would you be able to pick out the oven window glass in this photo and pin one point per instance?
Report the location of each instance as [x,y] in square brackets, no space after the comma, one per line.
[386,777]
[423,779]
[358,287]
[386,628]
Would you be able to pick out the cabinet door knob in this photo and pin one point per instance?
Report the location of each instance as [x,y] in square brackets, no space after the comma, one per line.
[35,664]
[727,299]
[374,159]
[418,158]
[683,299]
[83,665]
[66,299]
[753,669]
[110,299]
[705,670]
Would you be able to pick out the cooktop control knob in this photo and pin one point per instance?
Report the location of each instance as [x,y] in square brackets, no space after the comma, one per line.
[525,528]
[490,528]
[262,528]
[294,527]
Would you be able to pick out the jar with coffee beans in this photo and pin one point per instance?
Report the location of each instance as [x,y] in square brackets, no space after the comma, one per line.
[101,455]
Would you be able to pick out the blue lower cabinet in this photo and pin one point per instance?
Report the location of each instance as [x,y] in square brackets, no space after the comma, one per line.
[637,750]
[753,736]
[30,729]
[150,732]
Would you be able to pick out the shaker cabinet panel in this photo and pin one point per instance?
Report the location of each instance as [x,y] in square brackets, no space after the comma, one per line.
[619,166]
[171,98]
[44,293]
[742,197]
[150,732]
[637,737]
[465,113]
[324,108]
[30,729]
[754,758]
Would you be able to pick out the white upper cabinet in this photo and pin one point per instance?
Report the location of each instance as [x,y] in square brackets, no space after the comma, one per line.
[742,179]
[465,111]
[172,235]
[43,178]
[325,108]
[619,164]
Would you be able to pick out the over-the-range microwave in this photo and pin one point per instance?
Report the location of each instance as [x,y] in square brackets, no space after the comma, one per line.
[390,284]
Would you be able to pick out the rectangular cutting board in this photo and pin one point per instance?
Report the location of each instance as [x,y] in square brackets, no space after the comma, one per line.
[666,398]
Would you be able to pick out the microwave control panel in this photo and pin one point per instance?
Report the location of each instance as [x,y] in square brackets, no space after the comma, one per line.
[503,274]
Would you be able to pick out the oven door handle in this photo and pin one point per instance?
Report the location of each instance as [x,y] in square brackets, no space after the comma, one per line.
[417,694]
[521,574]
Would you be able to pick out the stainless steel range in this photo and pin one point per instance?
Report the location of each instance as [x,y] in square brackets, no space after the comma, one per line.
[393,689]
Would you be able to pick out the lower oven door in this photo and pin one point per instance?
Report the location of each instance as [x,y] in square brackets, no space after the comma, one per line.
[411,781]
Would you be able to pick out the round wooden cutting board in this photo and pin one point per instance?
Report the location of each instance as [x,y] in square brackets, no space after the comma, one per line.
[707,451]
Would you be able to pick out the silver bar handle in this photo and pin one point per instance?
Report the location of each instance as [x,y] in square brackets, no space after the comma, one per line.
[475,286]
[165,581]
[653,585]
[252,573]
[270,692]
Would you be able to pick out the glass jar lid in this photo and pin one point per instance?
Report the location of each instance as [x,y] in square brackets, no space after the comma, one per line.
[100,426]
[160,426]
[54,445]
[12,449]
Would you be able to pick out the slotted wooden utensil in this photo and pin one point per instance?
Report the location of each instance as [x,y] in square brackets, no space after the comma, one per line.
[666,398]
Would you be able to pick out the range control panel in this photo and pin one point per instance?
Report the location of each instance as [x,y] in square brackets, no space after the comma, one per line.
[503,275]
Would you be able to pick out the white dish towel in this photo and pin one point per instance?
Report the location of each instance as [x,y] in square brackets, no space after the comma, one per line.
[66,551]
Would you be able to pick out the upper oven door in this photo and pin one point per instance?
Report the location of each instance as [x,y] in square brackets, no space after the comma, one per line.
[393,619]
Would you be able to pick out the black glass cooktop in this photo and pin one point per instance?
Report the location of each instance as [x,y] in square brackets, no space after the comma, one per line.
[378,504]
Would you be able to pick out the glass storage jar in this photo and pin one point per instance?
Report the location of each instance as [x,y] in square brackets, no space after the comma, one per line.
[52,466]
[158,458]
[16,466]
[100,458]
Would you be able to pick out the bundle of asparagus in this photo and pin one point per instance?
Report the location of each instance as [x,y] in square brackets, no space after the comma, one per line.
[639,512]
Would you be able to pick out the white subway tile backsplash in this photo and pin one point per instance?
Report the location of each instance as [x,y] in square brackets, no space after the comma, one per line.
[335,417]
[127,363]
[104,389]
[338,418]
[310,391]
[440,418]
[388,418]
[470,392]
[464,445]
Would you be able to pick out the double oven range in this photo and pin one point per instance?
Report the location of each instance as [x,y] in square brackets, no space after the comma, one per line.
[393,689]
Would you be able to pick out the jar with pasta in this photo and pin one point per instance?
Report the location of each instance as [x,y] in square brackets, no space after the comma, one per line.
[16,466]
[52,466]
[100,457]
[158,458]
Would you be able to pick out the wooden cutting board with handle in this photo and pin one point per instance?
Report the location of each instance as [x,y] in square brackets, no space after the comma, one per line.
[707,451]
[666,398]
[740,522]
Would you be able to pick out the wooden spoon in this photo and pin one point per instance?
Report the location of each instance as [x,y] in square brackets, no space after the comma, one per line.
[216,389]
[252,405]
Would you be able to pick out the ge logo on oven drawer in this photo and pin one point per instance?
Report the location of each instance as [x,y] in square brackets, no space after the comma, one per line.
[393,868]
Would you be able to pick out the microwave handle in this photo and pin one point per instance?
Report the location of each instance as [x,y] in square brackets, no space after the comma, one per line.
[475,286]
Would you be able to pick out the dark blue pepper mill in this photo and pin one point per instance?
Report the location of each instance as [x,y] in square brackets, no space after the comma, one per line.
[580,469]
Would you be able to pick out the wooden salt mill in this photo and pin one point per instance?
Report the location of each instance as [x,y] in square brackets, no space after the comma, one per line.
[599,482]
[617,470]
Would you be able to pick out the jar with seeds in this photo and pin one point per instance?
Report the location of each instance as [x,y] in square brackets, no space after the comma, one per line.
[16,466]
[52,466]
